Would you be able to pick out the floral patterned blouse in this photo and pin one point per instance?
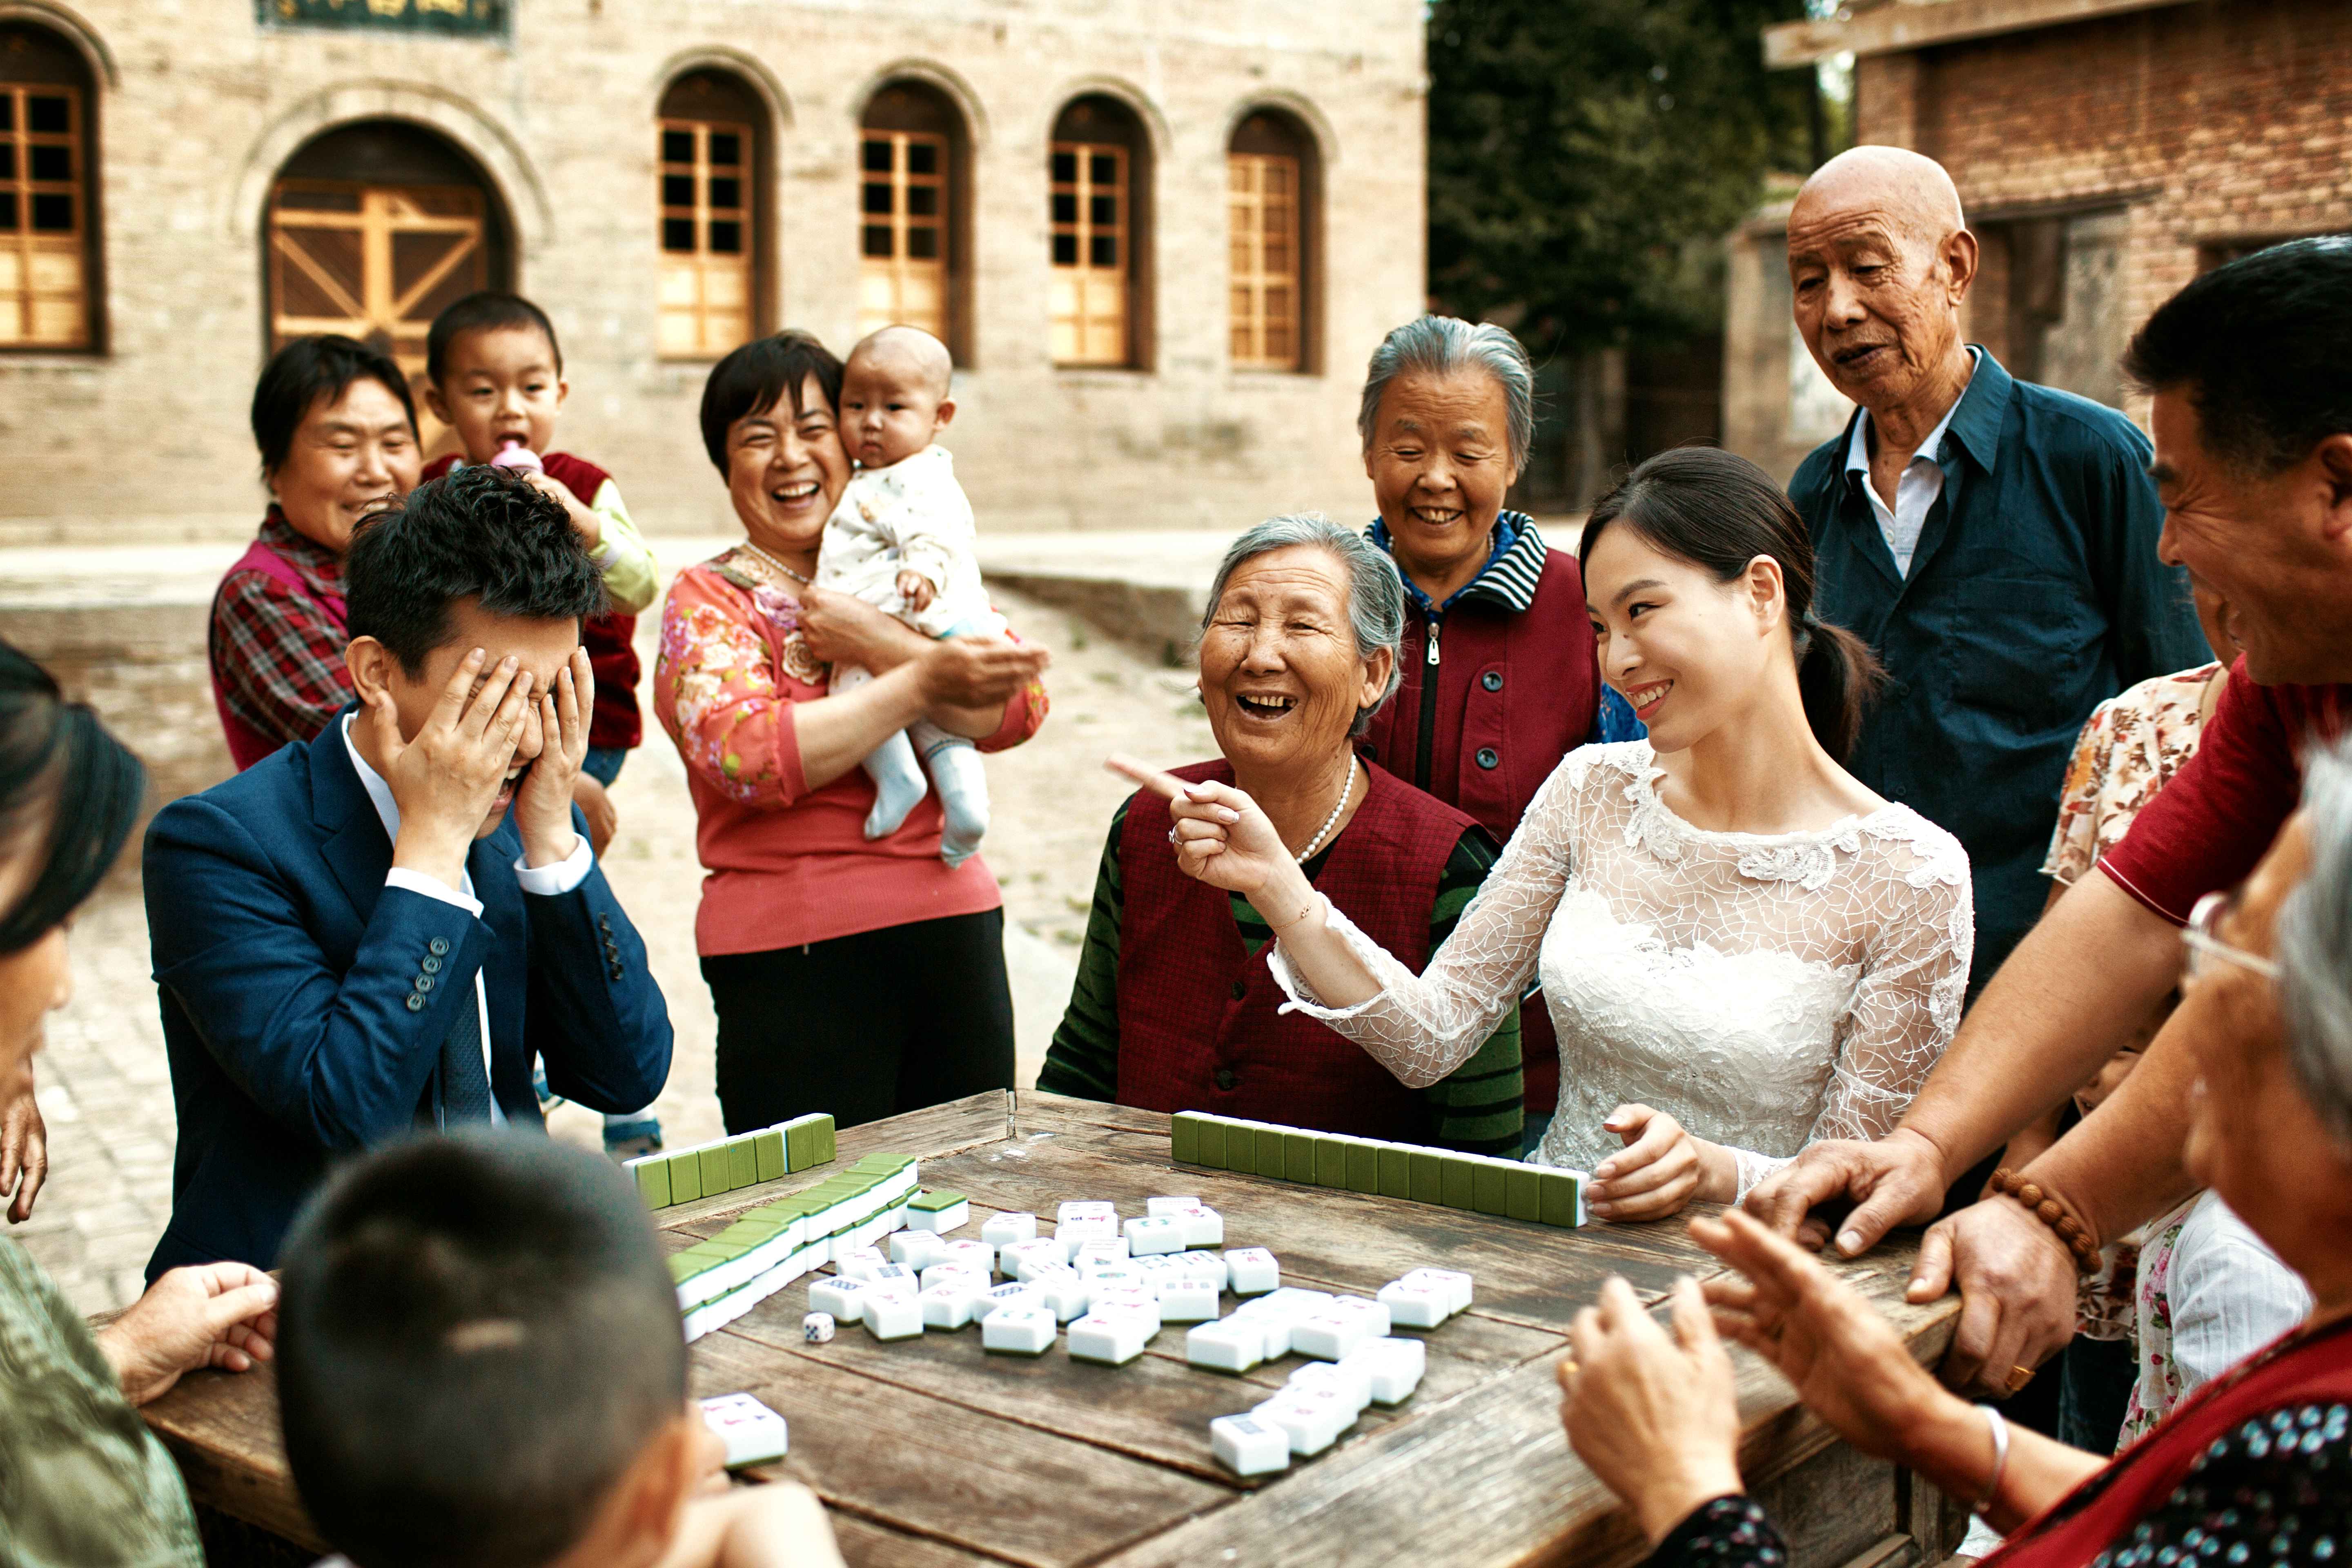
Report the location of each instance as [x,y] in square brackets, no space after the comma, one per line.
[790,864]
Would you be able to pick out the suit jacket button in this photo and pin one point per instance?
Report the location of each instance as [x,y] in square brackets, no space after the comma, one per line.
[1488,757]
[1240,989]
[616,971]
[438,947]
[1492,681]
[1227,1078]
[416,1003]
[430,964]
[423,984]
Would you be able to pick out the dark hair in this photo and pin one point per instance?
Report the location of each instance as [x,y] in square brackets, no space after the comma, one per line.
[2261,344]
[308,372]
[59,769]
[758,376]
[478,1336]
[487,311]
[1720,512]
[477,533]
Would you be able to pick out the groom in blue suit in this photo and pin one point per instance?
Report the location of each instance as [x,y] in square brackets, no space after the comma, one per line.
[378,930]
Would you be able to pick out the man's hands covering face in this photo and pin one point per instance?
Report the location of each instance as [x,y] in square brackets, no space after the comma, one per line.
[446,780]
[543,805]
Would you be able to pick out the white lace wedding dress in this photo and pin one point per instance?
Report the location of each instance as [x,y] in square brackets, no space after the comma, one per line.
[1764,991]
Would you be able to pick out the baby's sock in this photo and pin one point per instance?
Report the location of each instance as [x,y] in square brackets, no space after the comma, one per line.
[898,785]
[955,770]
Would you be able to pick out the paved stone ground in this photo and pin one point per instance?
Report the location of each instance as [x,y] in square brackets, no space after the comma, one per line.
[105,1093]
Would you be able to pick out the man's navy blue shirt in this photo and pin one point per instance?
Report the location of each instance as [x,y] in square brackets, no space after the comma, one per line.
[2035,595]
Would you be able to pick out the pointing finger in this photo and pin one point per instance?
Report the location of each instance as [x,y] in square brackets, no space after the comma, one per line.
[1166,785]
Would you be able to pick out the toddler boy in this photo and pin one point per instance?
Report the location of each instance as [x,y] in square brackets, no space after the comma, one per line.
[901,540]
[494,374]
[479,1362]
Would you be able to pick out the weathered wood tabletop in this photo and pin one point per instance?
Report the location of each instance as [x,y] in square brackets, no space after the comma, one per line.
[932,1452]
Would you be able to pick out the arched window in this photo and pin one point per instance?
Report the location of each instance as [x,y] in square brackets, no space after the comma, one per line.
[1100,181]
[374,229]
[714,176]
[50,294]
[913,159]
[1272,181]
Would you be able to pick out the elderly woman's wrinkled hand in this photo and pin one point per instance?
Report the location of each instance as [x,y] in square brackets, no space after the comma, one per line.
[1846,1363]
[1656,1416]
[1221,835]
[979,672]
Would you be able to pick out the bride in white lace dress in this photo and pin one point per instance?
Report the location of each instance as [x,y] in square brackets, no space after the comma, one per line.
[1744,950]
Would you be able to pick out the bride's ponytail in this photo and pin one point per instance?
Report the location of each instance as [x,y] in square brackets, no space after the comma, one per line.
[1720,511]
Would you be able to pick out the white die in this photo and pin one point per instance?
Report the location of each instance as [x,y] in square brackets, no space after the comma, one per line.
[1411,1306]
[1151,1235]
[1115,1340]
[1249,1447]
[1252,1272]
[892,1317]
[1231,1344]
[1018,1329]
[817,1328]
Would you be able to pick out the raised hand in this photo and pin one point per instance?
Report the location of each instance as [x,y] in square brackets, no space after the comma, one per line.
[448,779]
[211,1314]
[1656,1417]
[542,804]
[24,1147]
[1221,836]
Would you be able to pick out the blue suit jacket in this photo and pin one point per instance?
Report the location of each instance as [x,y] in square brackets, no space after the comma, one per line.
[286,970]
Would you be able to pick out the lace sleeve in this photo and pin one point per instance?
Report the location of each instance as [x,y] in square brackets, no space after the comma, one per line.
[1420,1027]
[1906,1004]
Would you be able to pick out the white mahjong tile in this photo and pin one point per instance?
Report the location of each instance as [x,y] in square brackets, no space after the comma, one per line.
[842,1299]
[1116,1339]
[1062,1287]
[1023,1257]
[1455,1284]
[1154,1267]
[1127,1299]
[1149,1236]
[1375,1314]
[894,1280]
[1344,1410]
[1111,1250]
[1252,1272]
[939,1220]
[1393,1366]
[891,1317]
[1089,1210]
[1311,1425]
[1411,1306]
[1003,1229]
[951,1305]
[859,1263]
[1230,1345]
[1291,1298]
[977,1256]
[1185,1299]
[1249,1447]
[1019,1329]
[917,1249]
[1115,1274]
[1014,1295]
[1206,1264]
[1203,1226]
[754,1435]
[1171,1204]
[1274,1327]
[1349,1381]
[1074,1233]
[1327,1336]
[939,1273]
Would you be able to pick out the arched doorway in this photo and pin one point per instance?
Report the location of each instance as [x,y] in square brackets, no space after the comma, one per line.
[374,229]
[1099,169]
[914,206]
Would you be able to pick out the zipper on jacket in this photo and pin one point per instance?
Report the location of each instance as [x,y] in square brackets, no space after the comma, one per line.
[1428,707]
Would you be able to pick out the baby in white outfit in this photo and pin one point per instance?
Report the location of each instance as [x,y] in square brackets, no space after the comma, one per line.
[901,540]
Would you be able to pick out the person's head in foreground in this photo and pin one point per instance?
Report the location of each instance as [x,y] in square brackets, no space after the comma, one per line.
[2252,422]
[770,424]
[1699,576]
[470,595]
[2266,1015]
[337,431]
[1447,418]
[480,1363]
[1880,261]
[494,374]
[894,395]
[1298,650]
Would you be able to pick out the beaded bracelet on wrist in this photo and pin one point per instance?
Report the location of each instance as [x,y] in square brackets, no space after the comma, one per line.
[2052,1213]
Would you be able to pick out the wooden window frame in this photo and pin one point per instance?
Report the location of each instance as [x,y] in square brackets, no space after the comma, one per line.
[1083,231]
[1254,323]
[900,266]
[702,260]
[377,309]
[24,244]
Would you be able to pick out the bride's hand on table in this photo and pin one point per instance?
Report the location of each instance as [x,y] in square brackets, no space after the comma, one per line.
[1221,838]
[1661,1168]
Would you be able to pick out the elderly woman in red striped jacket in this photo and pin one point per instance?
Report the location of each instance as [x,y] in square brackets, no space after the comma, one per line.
[1174,1008]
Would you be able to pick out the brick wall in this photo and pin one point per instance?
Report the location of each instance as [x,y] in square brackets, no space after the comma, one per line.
[203,104]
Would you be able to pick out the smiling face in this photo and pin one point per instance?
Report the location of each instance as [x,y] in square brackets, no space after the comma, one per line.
[1878,266]
[786,470]
[500,387]
[353,454]
[894,396]
[1687,652]
[1440,465]
[1280,675]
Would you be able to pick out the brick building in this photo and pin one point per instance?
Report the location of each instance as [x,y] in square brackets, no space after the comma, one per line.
[1161,239]
[2106,151]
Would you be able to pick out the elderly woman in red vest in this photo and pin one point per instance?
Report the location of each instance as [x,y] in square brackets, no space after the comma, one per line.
[1174,1008]
[1498,678]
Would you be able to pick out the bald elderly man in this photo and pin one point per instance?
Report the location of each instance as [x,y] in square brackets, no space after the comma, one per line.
[1993,541]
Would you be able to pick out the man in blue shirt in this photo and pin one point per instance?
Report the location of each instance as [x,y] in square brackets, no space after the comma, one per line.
[1993,541]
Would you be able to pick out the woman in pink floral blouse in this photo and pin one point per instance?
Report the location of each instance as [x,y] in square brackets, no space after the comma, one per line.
[857,977]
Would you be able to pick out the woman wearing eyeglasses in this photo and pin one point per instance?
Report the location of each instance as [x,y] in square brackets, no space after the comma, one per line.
[2254,1467]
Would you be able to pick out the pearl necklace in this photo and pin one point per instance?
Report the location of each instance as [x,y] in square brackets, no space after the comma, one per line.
[779,565]
[1346,794]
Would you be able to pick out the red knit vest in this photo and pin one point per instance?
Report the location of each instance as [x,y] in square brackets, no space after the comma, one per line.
[1198,1027]
[609,639]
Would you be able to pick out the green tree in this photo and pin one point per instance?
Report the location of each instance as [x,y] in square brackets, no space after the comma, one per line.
[1584,156]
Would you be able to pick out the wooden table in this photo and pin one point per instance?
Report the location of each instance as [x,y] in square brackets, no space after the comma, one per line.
[930,1452]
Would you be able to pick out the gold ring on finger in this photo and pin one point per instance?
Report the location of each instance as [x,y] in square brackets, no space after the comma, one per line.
[2019,1377]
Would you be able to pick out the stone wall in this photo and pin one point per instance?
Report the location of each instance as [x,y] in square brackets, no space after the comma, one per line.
[200,105]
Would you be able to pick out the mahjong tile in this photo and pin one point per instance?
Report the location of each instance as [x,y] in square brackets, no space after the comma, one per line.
[841,1298]
[1019,1329]
[917,1249]
[1149,1236]
[939,1273]
[1068,1211]
[1393,1366]
[1014,1295]
[1062,1287]
[1249,1447]
[1311,1425]
[1327,1336]
[1230,1345]
[1115,1339]
[951,1305]
[891,1317]
[860,1263]
[1252,1272]
[1185,1299]
[753,1434]
[1125,1299]
[1423,1306]
[1351,1382]
[1206,1264]
[894,1280]
[1003,1229]
[977,1256]
[1456,1283]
